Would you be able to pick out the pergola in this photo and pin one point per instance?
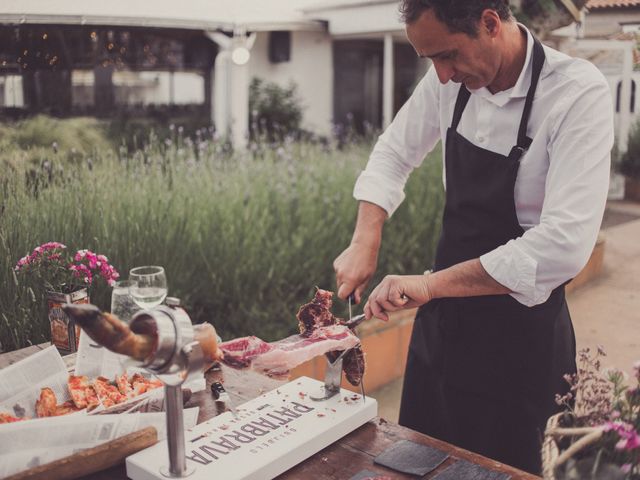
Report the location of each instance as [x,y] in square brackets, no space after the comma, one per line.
[227,22]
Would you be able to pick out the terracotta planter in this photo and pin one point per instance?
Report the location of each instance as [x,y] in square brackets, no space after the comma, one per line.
[65,334]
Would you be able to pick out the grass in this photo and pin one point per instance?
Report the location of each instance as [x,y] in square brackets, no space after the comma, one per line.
[244,238]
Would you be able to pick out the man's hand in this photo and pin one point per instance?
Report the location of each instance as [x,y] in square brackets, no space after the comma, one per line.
[397,292]
[356,265]
[354,268]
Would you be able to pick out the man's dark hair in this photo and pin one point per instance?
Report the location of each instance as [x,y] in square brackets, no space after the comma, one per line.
[458,15]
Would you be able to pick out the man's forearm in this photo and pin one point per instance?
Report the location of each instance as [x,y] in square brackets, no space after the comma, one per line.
[368,231]
[466,279]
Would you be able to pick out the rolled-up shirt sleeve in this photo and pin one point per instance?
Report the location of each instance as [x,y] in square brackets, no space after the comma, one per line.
[402,147]
[554,251]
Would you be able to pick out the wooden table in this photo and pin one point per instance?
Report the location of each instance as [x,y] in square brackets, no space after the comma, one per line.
[339,461]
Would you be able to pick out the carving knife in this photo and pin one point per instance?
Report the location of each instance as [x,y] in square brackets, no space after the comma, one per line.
[353,323]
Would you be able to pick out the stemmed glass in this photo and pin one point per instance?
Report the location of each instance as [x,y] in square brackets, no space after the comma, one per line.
[150,287]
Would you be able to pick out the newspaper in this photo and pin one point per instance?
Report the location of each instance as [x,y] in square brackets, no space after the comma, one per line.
[20,383]
[29,444]
[94,360]
[34,441]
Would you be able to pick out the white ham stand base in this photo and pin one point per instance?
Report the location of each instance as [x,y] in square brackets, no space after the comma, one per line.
[271,434]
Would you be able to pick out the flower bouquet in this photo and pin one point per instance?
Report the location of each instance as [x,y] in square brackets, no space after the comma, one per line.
[597,435]
[66,279]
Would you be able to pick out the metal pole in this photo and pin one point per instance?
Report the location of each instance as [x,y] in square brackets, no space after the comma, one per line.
[175,431]
[387,81]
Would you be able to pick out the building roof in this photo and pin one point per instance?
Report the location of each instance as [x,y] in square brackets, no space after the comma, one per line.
[254,15]
[601,4]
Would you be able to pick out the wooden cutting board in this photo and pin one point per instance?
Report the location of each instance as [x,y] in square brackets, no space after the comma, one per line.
[93,459]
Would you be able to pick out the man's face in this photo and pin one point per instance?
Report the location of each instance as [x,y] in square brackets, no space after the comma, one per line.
[458,57]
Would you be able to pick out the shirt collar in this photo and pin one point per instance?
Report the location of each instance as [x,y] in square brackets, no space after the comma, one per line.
[521,87]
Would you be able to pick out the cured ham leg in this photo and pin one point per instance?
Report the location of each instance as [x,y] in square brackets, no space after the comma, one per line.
[317,314]
[277,358]
[112,333]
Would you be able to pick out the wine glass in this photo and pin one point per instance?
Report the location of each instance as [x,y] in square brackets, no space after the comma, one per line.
[122,304]
[150,287]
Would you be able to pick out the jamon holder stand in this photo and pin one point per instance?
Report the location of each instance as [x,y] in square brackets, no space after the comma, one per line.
[177,356]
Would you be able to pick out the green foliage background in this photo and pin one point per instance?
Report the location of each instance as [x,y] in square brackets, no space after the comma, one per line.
[245,238]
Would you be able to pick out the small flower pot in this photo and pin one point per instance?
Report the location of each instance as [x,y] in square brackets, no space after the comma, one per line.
[65,334]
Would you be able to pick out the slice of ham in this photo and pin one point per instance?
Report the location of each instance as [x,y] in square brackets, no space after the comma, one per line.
[277,358]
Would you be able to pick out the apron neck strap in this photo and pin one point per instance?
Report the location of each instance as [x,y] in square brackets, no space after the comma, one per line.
[538,62]
[461,102]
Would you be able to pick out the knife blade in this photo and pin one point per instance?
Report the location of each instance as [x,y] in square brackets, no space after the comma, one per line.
[353,323]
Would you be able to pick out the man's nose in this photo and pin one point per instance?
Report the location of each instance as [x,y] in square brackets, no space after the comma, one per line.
[445,73]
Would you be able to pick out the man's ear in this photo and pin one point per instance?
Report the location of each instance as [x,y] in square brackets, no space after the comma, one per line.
[490,22]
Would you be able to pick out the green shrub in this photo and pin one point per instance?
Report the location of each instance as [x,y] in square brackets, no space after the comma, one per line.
[244,241]
[274,110]
[80,134]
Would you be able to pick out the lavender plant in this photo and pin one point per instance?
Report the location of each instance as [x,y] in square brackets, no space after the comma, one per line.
[603,399]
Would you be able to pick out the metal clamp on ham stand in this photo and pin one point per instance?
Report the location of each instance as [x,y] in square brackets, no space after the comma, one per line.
[162,341]
[177,356]
[332,379]
[333,374]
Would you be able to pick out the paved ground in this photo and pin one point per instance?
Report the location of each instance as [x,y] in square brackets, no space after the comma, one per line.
[605,312]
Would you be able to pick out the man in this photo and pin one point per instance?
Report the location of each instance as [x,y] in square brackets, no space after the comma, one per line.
[527,134]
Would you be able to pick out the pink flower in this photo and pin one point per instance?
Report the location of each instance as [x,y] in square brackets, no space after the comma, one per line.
[52,246]
[626,468]
[84,265]
[629,438]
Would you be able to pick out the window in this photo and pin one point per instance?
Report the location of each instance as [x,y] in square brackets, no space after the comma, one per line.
[158,88]
[82,83]
[279,47]
[11,94]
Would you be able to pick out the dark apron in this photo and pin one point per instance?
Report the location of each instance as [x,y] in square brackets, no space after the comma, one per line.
[482,372]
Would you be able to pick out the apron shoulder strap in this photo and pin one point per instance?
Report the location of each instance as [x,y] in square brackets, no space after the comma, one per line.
[524,142]
[538,62]
[461,102]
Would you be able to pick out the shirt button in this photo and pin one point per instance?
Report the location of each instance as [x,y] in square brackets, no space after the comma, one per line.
[481,139]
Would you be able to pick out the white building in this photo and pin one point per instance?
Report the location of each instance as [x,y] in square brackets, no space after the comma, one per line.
[349,59]
[607,36]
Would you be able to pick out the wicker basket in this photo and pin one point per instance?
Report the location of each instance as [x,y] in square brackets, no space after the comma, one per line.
[552,457]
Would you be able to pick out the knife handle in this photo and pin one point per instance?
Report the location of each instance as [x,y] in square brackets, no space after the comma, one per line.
[217,389]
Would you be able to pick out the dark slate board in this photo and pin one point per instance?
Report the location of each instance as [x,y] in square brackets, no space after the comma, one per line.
[463,470]
[410,457]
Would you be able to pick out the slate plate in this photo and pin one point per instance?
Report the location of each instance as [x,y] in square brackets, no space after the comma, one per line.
[410,457]
[463,470]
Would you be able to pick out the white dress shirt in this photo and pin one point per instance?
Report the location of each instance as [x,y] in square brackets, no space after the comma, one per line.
[563,180]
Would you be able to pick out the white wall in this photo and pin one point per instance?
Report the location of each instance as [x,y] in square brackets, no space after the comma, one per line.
[362,18]
[310,67]
[599,23]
